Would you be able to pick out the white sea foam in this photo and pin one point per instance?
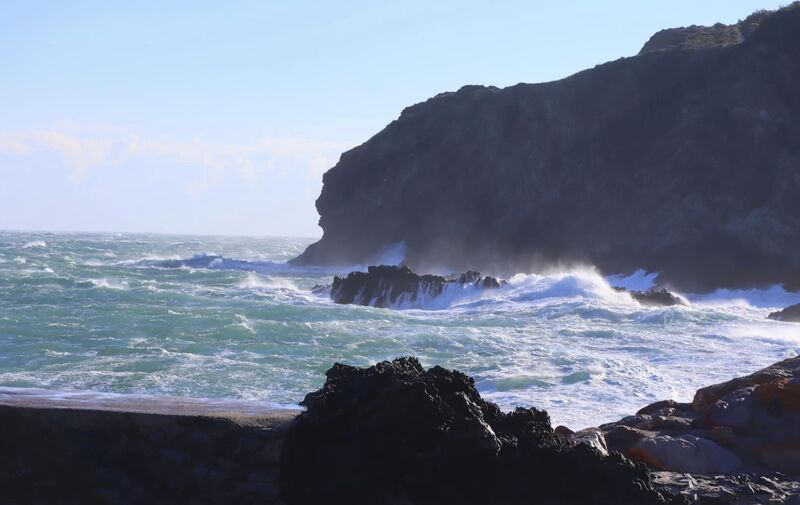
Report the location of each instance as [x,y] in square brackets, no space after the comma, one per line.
[245,323]
[265,282]
[33,244]
[109,283]
[521,289]
[772,298]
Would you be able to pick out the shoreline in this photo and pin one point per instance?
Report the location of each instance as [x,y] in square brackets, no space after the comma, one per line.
[118,448]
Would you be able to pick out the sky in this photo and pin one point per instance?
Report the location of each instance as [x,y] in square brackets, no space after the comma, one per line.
[221,117]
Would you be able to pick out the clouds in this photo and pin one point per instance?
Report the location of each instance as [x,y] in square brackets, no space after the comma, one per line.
[211,162]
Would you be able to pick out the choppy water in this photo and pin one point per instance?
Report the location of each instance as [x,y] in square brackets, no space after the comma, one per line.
[155,314]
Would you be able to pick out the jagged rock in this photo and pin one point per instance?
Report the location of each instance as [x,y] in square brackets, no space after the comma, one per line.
[653,297]
[789,314]
[677,162]
[396,433]
[731,489]
[593,437]
[392,286]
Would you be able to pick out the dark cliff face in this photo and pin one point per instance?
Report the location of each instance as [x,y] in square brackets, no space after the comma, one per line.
[684,162]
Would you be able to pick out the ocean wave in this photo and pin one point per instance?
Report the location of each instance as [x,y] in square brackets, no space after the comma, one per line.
[33,244]
[257,282]
[109,284]
[219,262]
[767,298]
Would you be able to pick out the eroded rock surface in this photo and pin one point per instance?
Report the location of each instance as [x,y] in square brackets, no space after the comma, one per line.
[392,286]
[397,433]
[746,429]
[653,297]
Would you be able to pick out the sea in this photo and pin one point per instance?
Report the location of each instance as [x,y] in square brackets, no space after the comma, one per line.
[226,318]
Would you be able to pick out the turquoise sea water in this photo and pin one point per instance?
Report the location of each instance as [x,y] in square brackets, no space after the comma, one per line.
[224,317]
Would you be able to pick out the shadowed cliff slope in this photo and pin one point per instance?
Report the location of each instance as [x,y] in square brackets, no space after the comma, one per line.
[680,161]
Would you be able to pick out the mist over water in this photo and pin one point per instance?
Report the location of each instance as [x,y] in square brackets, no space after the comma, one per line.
[214,317]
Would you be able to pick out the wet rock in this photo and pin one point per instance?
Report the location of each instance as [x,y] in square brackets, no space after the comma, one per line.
[392,286]
[685,453]
[789,314]
[397,433]
[723,435]
[707,396]
[730,489]
[779,396]
[748,424]
[653,297]
[622,438]
[664,404]
[783,459]
[593,437]
[734,410]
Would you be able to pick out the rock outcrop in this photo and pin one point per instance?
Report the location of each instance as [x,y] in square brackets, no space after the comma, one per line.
[392,286]
[653,297]
[396,433]
[748,426]
[789,314]
[680,161]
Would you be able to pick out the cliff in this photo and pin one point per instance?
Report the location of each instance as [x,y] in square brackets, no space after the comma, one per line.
[683,160]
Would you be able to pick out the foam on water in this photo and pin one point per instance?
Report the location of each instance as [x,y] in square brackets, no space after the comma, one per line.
[34,243]
[150,315]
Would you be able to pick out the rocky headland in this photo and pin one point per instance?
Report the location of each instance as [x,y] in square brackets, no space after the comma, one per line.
[681,160]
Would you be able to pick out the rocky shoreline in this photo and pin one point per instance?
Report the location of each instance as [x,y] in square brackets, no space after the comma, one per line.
[397,433]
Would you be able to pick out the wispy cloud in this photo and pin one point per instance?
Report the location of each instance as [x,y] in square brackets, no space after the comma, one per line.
[83,153]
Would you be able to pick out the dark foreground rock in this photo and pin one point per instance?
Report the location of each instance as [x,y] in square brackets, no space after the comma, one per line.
[396,433]
[682,160]
[789,314]
[392,286]
[653,297]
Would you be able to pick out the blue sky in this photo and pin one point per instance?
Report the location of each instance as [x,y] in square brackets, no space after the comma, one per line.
[221,117]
